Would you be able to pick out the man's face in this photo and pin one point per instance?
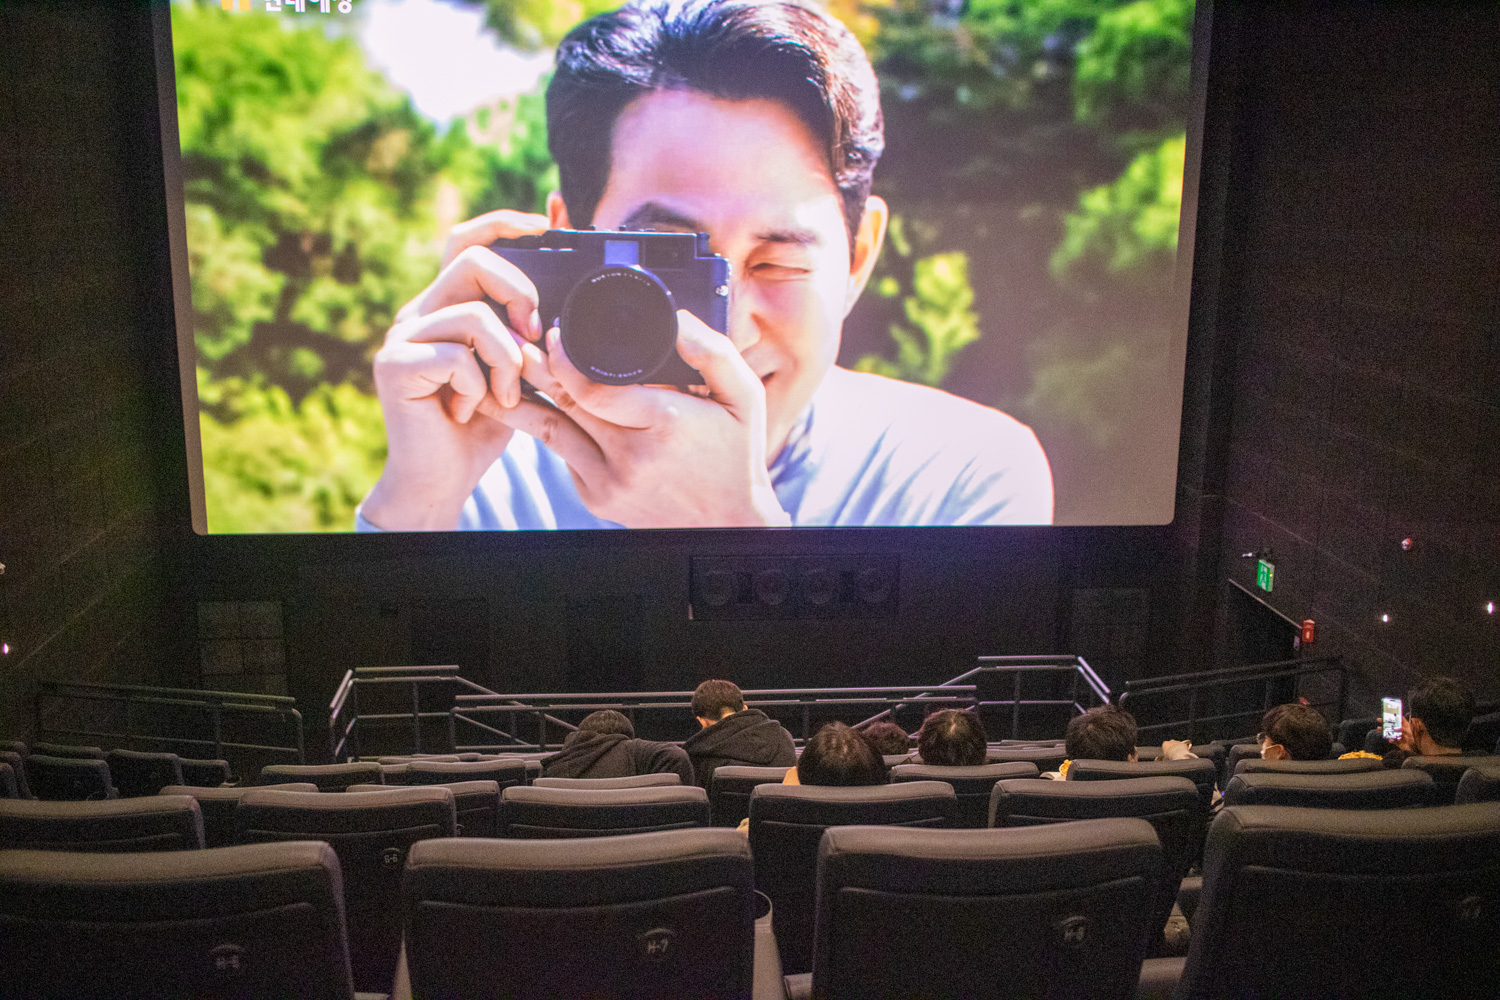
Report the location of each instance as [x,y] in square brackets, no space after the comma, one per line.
[752,176]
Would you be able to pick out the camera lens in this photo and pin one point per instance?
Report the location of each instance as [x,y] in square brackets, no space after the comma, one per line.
[618,325]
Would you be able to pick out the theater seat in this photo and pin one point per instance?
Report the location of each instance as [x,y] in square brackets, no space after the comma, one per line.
[1364,790]
[1046,758]
[1237,753]
[371,833]
[263,920]
[69,779]
[1483,733]
[1200,771]
[476,805]
[205,773]
[429,772]
[730,788]
[1354,765]
[550,813]
[135,773]
[971,785]
[1446,770]
[1060,912]
[667,914]
[17,765]
[8,787]
[217,806]
[1170,804]
[630,781]
[148,823]
[328,777]
[68,750]
[1479,784]
[1399,902]
[786,823]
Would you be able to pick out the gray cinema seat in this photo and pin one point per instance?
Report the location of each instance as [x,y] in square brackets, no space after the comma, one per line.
[550,813]
[135,773]
[476,805]
[217,805]
[629,781]
[1361,790]
[328,777]
[146,823]
[730,787]
[971,785]
[69,779]
[1354,765]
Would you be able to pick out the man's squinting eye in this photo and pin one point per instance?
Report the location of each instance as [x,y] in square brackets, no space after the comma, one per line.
[778,272]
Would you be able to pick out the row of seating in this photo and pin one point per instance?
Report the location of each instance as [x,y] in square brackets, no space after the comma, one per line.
[56,771]
[896,911]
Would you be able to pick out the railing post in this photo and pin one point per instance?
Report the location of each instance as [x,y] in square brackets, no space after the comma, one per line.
[1015,708]
[301,744]
[806,719]
[353,740]
[1192,711]
[541,726]
[416,717]
[216,709]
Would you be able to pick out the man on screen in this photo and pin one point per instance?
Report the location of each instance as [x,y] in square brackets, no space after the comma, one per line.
[758,124]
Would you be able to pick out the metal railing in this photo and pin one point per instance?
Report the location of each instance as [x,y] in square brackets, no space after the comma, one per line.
[1094,690]
[1196,685]
[540,706]
[217,707]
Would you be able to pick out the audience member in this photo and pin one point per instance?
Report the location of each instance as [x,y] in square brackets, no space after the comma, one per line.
[730,733]
[1438,713]
[889,739]
[1103,733]
[952,738]
[605,746]
[838,755]
[1294,732]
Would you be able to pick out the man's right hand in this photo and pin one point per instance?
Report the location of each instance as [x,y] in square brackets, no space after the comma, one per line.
[440,408]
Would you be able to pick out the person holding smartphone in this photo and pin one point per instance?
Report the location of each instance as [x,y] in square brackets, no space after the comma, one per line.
[758,124]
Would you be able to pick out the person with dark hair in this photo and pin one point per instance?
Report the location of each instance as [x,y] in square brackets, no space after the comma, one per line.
[1294,732]
[730,733]
[888,739]
[759,125]
[1438,713]
[1106,732]
[839,755]
[604,746]
[952,738]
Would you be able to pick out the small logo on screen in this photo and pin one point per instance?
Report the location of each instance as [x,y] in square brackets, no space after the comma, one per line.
[292,6]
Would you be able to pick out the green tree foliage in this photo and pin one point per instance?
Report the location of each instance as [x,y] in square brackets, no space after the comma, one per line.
[537,24]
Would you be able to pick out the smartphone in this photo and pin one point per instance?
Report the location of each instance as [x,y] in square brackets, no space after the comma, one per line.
[1390,718]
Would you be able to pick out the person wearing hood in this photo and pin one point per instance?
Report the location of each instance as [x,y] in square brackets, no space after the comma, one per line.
[730,733]
[605,746]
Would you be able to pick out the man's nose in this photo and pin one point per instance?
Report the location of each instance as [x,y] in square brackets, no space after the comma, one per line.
[743,328]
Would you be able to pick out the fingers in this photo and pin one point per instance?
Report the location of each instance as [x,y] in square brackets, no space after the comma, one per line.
[729,379]
[475,325]
[412,372]
[475,273]
[634,406]
[562,434]
[483,230]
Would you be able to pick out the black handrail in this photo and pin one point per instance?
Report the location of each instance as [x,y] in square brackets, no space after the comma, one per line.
[215,704]
[1207,680]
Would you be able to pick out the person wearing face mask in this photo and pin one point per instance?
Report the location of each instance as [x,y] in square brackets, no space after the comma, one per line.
[758,124]
[1294,732]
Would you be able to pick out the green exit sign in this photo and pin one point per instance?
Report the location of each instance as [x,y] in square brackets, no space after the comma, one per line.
[1265,575]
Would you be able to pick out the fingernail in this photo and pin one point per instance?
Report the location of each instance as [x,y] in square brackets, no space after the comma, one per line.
[536,326]
[512,396]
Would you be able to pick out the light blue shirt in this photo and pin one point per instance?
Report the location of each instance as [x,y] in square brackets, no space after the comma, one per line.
[867,451]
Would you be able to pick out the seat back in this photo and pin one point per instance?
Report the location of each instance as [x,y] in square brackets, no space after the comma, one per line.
[68,750]
[1237,753]
[786,824]
[548,813]
[971,785]
[1428,878]
[408,758]
[1046,758]
[205,773]
[630,781]
[1354,765]
[1446,770]
[1061,912]
[371,832]
[8,787]
[1351,732]
[265,920]
[476,805]
[668,914]
[1484,732]
[17,764]
[1200,771]
[504,773]
[1362,790]
[75,779]
[1479,784]
[150,823]
[217,806]
[729,790]
[134,773]
[328,777]
[1169,803]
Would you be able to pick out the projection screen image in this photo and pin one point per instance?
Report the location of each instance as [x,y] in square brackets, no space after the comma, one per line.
[522,265]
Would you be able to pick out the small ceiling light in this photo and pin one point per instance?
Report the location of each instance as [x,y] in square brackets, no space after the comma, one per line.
[4,649]
[1385,618]
[1489,608]
[1406,544]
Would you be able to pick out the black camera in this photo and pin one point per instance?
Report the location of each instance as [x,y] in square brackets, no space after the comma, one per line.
[615,295]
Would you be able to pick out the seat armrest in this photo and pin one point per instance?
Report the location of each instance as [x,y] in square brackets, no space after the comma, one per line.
[1159,977]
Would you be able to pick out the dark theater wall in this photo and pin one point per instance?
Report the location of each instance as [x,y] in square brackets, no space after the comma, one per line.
[1362,283]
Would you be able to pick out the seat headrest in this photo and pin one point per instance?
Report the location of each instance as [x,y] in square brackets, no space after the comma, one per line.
[235,792]
[459,789]
[1047,799]
[145,823]
[452,770]
[633,781]
[1360,790]
[1480,783]
[980,772]
[585,798]
[822,805]
[139,755]
[745,773]
[1354,765]
[345,812]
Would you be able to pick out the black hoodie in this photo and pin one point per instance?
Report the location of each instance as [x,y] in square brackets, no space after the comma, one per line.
[746,738]
[615,755]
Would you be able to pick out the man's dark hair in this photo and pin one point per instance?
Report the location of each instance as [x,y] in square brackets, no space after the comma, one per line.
[839,755]
[606,720]
[711,698]
[730,49]
[1301,731]
[887,738]
[1445,707]
[952,738]
[1103,733]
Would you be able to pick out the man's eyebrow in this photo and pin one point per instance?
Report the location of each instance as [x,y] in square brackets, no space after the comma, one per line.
[654,216]
[796,237]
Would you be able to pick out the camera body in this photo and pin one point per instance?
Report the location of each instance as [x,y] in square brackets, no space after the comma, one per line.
[615,296]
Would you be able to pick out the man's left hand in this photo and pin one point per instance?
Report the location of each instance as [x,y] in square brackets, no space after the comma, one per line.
[652,456]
